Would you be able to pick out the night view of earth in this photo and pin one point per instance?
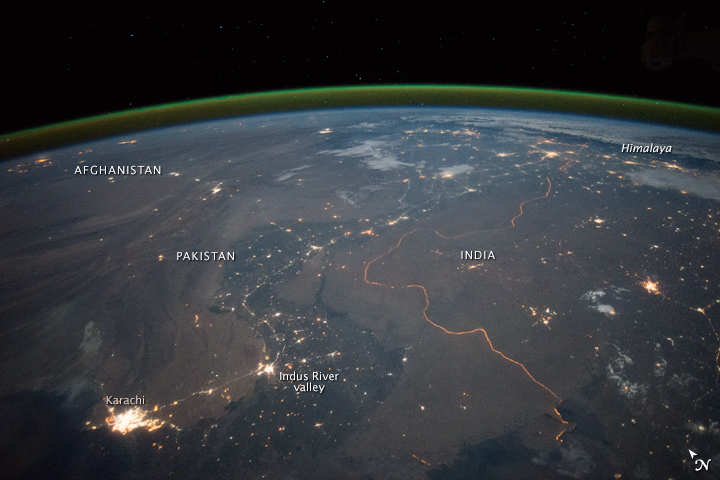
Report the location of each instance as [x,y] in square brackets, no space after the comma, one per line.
[396,292]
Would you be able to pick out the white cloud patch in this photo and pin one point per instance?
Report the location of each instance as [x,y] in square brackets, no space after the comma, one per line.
[702,186]
[616,373]
[456,170]
[290,173]
[374,154]
[369,125]
[348,197]
[594,296]
[606,309]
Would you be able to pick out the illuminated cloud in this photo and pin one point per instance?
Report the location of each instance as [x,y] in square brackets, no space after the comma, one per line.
[373,153]
[705,186]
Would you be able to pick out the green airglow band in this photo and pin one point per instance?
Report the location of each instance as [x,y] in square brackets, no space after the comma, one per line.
[75,131]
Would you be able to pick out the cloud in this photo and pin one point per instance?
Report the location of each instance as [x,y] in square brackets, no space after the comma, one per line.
[706,186]
[372,153]
[456,170]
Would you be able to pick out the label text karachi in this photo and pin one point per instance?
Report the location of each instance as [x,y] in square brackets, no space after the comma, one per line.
[110,400]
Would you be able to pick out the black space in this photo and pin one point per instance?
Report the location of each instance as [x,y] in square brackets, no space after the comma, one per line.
[66,60]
